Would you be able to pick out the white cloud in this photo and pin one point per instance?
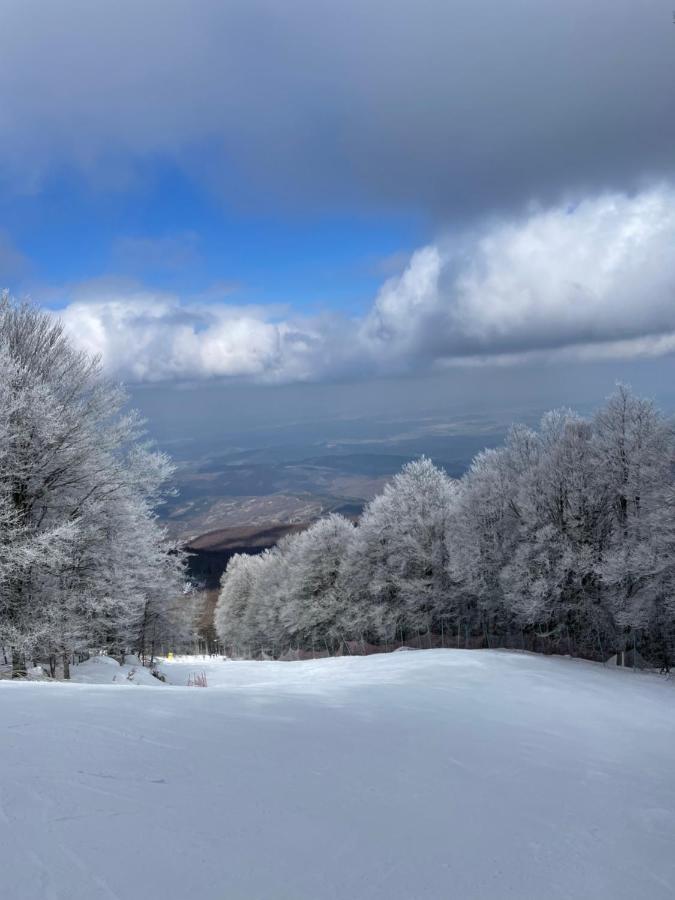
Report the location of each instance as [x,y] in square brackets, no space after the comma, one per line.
[596,281]
[144,336]
[600,273]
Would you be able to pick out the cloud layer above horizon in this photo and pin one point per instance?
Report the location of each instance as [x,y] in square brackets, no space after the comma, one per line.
[442,105]
[590,281]
[526,151]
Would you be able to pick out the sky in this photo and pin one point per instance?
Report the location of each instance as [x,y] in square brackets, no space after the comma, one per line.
[220,194]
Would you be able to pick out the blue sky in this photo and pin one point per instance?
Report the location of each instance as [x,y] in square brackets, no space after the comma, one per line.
[169,231]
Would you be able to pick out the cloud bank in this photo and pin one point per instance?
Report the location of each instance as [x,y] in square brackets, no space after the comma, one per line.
[591,281]
[446,105]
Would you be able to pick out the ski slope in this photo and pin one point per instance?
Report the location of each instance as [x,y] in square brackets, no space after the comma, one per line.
[430,774]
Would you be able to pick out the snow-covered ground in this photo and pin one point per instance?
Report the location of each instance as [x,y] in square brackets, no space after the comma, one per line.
[104,670]
[433,774]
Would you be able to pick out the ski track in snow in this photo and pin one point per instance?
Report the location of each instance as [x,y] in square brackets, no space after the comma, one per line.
[433,774]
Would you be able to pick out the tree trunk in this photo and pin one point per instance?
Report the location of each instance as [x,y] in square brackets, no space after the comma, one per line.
[18,665]
[66,665]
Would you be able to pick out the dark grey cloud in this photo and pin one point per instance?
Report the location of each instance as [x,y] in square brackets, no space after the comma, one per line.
[451,106]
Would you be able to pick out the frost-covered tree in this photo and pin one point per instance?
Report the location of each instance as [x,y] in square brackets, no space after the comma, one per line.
[236,602]
[397,565]
[169,621]
[483,531]
[78,491]
[312,610]
[561,540]
[286,597]
[634,454]
[551,582]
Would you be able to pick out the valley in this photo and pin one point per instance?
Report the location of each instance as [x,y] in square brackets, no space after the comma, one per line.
[279,477]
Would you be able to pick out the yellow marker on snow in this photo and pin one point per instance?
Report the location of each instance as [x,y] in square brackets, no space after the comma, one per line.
[170,656]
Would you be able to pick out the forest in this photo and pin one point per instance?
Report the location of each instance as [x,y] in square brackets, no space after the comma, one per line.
[560,541]
[84,562]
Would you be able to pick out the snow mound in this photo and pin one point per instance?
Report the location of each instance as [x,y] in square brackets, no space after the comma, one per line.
[131,659]
[106,670]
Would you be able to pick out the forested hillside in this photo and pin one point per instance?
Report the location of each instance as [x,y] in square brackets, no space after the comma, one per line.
[563,540]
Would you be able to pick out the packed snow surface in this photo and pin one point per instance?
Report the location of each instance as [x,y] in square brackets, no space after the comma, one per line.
[433,774]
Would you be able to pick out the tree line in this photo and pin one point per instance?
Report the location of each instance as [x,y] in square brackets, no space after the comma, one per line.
[84,563]
[562,540]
